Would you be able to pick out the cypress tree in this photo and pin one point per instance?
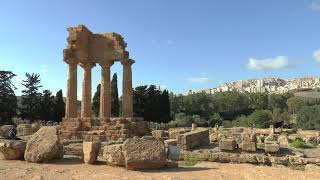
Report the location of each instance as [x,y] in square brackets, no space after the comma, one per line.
[96,101]
[59,106]
[115,104]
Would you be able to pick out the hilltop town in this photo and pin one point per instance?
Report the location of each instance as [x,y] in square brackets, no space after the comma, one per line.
[266,85]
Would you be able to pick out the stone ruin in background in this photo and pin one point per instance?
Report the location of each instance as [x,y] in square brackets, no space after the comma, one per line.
[88,49]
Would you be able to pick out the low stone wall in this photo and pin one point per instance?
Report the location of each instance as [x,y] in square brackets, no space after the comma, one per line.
[226,157]
[193,139]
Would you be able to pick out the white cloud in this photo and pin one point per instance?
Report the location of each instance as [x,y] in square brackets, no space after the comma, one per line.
[316,55]
[279,62]
[199,80]
[44,68]
[315,5]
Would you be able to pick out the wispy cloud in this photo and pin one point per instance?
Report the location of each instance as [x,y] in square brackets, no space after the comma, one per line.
[198,80]
[279,62]
[44,68]
[316,55]
[315,5]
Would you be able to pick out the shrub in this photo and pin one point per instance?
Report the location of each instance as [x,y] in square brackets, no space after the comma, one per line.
[190,160]
[298,143]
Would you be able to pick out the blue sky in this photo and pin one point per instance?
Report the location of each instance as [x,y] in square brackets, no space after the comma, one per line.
[177,44]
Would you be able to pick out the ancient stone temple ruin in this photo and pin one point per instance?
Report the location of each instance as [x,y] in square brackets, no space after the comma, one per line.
[88,49]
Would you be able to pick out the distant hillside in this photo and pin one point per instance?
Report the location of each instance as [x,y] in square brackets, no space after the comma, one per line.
[308,94]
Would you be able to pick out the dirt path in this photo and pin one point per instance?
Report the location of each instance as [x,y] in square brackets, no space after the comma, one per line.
[70,169]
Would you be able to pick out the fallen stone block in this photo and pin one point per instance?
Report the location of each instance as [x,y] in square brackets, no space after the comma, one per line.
[159,134]
[44,145]
[141,153]
[193,139]
[113,155]
[227,145]
[170,142]
[174,152]
[6,129]
[283,141]
[91,151]
[12,149]
[249,146]
[272,148]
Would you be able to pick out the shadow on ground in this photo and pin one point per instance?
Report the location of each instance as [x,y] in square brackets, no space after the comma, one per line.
[179,169]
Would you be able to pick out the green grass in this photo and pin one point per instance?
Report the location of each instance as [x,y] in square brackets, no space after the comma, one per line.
[190,160]
[298,143]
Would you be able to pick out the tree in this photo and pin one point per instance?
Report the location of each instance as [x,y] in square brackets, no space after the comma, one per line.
[308,117]
[260,118]
[96,101]
[215,119]
[258,101]
[8,99]
[115,104]
[294,104]
[151,103]
[47,106]
[59,106]
[30,104]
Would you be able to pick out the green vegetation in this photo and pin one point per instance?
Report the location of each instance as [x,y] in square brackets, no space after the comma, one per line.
[115,103]
[190,160]
[298,143]
[8,100]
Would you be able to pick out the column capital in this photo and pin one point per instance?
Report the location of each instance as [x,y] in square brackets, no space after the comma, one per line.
[127,62]
[71,62]
[87,65]
[106,63]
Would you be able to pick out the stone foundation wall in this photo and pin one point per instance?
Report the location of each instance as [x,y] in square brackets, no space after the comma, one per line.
[108,129]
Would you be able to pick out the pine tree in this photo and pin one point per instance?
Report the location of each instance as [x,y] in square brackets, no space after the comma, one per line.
[8,99]
[115,104]
[59,107]
[96,101]
[30,105]
[47,106]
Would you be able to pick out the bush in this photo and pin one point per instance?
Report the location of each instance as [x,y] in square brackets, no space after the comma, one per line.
[190,160]
[298,143]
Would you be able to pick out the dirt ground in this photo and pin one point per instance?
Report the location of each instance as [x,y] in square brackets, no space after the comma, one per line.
[72,168]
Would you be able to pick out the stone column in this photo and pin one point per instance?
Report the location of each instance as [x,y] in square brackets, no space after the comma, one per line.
[71,97]
[86,90]
[127,105]
[105,90]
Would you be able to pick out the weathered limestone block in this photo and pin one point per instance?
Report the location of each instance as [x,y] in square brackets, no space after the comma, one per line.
[214,137]
[170,142]
[24,129]
[12,149]
[174,152]
[74,149]
[248,137]
[283,141]
[113,154]
[44,145]
[249,146]
[193,139]
[272,148]
[6,129]
[173,133]
[140,153]
[260,146]
[227,144]
[159,134]
[193,126]
[271,139]
[91,151]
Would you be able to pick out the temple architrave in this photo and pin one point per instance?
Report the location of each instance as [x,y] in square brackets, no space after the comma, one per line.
[88,50]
